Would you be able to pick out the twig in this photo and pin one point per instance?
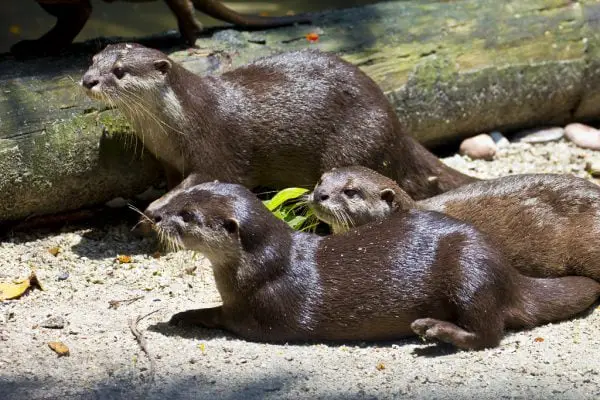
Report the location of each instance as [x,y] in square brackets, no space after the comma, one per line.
[116,303]
[133,322]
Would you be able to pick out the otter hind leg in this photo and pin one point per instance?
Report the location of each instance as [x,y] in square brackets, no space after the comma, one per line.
[448,332]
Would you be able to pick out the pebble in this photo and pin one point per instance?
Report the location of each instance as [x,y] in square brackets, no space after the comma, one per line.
[480,147]
[500,140]
[53,323]
[593,168]
[583,136]
[62,276]
[117,202]
[540,135]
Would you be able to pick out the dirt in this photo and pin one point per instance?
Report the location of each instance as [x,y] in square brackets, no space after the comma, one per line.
[85,278]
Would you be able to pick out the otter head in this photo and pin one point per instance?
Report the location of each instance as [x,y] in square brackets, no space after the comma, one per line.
[352,196]
[199,218]
[127,74]
[220,220]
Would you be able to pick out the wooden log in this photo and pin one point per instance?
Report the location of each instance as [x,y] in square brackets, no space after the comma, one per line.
[451,68]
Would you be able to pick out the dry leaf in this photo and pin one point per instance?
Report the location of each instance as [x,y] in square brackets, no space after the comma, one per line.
[18,288]
[59,348]
[312,37]
[14,29]
[156,254]
[202,347]
[123,259]
[54,250]
[538,339]
[380,366]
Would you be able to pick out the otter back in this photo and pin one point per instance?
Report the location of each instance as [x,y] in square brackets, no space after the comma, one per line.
[547,225]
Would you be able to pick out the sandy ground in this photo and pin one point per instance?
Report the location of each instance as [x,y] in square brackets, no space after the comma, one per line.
[557,361]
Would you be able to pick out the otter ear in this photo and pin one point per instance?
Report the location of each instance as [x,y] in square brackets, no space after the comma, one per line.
[387,195]
[162,65]
[231,225]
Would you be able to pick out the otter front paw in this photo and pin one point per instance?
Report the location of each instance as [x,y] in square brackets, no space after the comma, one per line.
[204,317]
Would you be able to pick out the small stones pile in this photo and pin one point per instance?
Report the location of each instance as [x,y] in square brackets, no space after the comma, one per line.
[485,146]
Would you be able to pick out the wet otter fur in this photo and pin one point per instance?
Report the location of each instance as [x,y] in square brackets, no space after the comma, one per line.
[277,122]
[546,224]
[417,272]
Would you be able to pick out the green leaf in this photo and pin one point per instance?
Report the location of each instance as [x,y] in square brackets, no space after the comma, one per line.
[288,206]
[283,196]
[296,222]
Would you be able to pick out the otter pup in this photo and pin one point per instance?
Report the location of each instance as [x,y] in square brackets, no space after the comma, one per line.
[416,272]
[278,122]
[73,14]
[547,224]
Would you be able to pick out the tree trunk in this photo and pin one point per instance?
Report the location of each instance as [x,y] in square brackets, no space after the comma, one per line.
[451,68]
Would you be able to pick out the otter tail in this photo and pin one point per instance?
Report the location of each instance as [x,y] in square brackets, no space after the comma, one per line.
[217,10]
[546,300]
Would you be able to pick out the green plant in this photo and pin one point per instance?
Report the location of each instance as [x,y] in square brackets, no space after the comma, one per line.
[290,206]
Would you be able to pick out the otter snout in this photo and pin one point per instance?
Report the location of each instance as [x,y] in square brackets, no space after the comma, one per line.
[319,196]
[89,80]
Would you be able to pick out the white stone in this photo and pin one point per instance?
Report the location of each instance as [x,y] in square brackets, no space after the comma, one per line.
[540,135]
[583,136]
[480,147]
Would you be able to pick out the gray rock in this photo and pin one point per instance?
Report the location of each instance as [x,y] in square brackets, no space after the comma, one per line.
[62,276]
[54,323]
[117,202]
[500,140]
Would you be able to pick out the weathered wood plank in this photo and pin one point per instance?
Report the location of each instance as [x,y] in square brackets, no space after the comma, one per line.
[451,68]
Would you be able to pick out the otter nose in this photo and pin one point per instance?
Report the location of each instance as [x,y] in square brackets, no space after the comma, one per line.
[319,196]
[89,81]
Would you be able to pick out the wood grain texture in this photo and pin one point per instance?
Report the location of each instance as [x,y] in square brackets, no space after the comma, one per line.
[451,68]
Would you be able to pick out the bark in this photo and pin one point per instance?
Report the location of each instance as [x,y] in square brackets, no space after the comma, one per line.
[451,68]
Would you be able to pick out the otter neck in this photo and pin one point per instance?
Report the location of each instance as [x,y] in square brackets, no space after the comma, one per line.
[264,256]
[165,122]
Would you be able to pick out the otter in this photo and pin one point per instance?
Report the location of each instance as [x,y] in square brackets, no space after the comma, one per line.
[546,224]
[277,122]
[73,14]
[418,272]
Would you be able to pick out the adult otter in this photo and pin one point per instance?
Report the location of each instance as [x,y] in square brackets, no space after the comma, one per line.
[416,272]
[73,14]
[278,122]
[547,225]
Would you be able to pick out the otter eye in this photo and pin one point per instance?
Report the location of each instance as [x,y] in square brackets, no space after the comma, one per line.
[119,72]
[186,216]
[350,192]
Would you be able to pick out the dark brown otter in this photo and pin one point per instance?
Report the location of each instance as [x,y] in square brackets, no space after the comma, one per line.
[278,122]
[547,225]
[416,272]
[73,14]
